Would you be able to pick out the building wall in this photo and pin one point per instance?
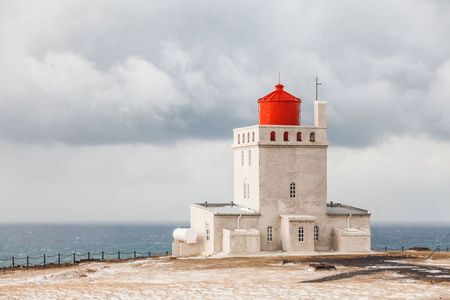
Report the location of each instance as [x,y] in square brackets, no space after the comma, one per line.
[280,163]
[230,223]
[345,241]
[340,221]
[241,241]
[246,170]
[281,166]
[290,235]
[199,218]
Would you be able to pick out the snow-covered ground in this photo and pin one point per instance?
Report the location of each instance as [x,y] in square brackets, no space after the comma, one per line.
[219,278]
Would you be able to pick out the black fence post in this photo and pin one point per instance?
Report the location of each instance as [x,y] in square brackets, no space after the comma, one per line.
[89,255]
[28,261]
[13,261]
[44,259]
[167,252]
[385,248]
[103,256]
[149,254]
[439,249]
[74,257]
[447,249]
[118,254]
[403,248]
[134,254]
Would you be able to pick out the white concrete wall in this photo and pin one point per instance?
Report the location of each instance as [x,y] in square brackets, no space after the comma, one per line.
[280,166]
[246,172]
[241,241]
[340,221]
[289,235]
[320,113]
[230,222]
[199,218]
[280,163]
[345,241]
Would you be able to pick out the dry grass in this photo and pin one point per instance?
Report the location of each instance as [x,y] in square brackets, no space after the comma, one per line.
[356,277]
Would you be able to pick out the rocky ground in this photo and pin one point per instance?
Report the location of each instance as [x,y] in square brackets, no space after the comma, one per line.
[399,275]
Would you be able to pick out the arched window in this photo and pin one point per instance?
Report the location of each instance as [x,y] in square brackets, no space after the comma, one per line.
[248,190]
[239,138]
[242,158]
[253,137]
[301,234]
[248,137]
[292,191]
[269,234]
[299,136]
[243,138]
[208,231]
[312,137]
[272,136]
[286,136]
[249,157]
[316,233]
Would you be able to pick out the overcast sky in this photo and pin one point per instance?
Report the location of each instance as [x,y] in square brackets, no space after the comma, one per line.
[123,111]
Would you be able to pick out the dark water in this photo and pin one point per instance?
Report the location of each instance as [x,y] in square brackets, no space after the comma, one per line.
[394,236]
[34,240]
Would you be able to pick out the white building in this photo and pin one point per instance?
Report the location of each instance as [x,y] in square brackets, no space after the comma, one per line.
[280,191]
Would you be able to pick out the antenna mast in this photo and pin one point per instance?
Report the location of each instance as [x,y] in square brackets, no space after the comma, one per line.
[317,87]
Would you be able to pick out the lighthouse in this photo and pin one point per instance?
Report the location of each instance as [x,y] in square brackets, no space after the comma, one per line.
[280,190]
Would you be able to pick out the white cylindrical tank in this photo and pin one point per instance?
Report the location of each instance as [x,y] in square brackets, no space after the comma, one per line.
[186,235]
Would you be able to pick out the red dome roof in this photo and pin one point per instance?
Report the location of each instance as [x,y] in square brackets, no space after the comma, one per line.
[279,95]
[279,108]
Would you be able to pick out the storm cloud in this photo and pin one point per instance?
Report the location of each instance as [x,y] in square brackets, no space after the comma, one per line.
[107,72]
[123,111]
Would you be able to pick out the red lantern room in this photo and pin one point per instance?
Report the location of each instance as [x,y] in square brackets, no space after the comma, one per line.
[279,108]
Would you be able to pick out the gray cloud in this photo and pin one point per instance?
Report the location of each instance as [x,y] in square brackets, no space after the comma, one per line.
[106,73]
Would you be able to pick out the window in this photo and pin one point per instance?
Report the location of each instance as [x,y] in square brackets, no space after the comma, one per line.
[242,158]
[312,137]
[292,191]
[272,136]
[301,234]
[246,188]
[248,137]
[243,138]
[239,138]
[253,137]
[316,233]
[286,136]
[299,136]
[249,157]
[207,231]
[269,234]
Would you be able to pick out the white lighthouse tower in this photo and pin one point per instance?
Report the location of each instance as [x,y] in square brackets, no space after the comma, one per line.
[280,191]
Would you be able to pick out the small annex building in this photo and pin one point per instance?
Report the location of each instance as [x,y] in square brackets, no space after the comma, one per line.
[280,191]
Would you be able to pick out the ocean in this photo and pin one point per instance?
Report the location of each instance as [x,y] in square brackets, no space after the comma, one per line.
[35,240]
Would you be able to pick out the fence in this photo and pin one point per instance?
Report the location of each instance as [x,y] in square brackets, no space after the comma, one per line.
[59,259]
[403,249]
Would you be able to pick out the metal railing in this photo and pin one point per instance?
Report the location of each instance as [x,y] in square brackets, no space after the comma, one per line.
[58,259]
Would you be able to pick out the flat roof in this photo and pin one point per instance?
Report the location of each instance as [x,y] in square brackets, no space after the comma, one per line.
[226,209]
[342,209]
